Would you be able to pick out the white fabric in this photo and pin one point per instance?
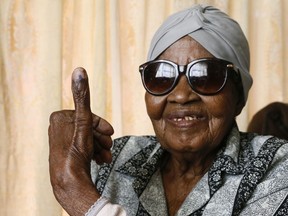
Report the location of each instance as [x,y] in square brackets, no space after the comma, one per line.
[102,207]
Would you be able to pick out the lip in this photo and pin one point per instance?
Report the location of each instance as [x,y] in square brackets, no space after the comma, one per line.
[185,118]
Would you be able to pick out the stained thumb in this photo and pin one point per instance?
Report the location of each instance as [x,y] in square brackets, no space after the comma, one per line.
[81,96]
[80,89]
[83,131]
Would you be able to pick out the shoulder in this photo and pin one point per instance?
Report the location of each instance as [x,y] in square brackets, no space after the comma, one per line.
[273,152]
[271,155]
[268,156]
[270,162]
[266,143]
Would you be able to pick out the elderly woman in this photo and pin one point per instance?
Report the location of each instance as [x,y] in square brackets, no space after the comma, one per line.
[197,81]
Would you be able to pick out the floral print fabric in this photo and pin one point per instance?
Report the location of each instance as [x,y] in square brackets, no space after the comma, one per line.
[248,177]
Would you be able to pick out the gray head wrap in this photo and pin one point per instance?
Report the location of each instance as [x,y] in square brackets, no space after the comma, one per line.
[214,30]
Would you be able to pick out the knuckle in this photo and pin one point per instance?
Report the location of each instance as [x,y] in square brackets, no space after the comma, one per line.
[61,116]
[54,117]
[50,132]
[96,120]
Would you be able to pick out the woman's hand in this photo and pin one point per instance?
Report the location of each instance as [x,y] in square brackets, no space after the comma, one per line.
[75,138]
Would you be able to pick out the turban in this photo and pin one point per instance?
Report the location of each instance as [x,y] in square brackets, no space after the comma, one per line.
[214,30]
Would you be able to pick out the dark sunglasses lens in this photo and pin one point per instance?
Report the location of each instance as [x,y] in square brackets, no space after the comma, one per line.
[208,77]
[159,77]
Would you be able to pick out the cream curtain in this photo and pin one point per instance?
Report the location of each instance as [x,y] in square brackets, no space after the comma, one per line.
[42,41]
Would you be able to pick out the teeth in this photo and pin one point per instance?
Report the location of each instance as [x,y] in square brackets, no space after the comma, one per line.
[186,118]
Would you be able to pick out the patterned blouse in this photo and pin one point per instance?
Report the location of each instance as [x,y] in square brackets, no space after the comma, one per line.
[248,177]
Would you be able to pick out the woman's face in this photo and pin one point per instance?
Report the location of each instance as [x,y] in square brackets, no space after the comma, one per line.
[186,122]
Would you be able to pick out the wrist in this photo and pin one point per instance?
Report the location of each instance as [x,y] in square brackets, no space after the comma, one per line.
[75,191]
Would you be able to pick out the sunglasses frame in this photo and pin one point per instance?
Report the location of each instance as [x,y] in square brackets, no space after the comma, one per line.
[184,69]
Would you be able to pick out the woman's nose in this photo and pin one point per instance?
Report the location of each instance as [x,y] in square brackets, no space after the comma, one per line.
[182,92]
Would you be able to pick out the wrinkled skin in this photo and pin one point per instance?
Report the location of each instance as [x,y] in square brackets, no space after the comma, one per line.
[75,138]
[190,126]
[211,116]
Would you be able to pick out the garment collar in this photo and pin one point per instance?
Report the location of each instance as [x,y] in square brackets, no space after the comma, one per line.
[143,164]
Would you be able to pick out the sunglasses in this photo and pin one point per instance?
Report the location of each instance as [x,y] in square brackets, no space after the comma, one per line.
[205,76]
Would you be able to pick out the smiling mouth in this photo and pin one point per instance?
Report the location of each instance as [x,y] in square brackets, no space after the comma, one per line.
[186,118]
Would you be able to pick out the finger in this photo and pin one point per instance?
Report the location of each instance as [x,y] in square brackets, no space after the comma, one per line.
[103,157]
[102,126]
[106,156]
[103,140]
[80,90]
[83,134]
[98,159]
